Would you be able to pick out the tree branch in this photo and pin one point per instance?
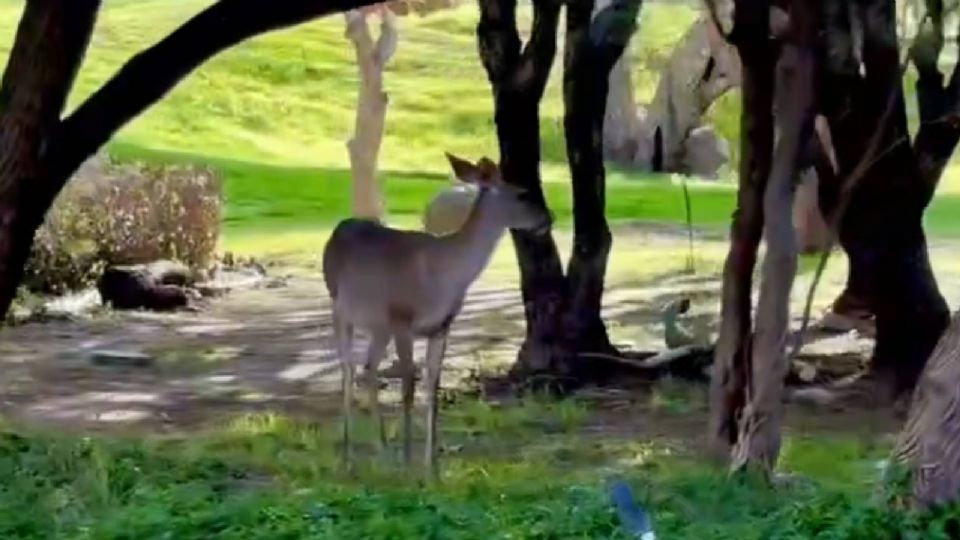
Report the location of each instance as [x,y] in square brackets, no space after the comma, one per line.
[610,31]
[149,75]
[498,40]
[939,106]
[540,50]
[387,42]
[50,44]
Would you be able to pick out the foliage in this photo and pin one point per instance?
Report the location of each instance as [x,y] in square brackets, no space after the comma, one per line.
[125,214]
[522,471]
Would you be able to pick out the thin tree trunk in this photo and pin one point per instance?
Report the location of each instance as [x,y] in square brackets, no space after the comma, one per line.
[759,431]
[731,361]
[587,65]
[364,147]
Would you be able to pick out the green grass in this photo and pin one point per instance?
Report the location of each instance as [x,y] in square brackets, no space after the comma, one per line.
[273,116]
[288,97]
[521,473]
[299,203]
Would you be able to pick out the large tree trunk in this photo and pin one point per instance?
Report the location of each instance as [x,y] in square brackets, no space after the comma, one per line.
[881,226]
[364,147]
[49,45]
[928,445]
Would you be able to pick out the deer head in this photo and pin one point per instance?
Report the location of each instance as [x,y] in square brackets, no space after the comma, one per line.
[508,203]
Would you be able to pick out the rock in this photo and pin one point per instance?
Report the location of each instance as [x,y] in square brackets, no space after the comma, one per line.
[73,304]
[120,359]
[706,153]
[449,209]
[250,275]
[701,68]
[170,273]
[135,287]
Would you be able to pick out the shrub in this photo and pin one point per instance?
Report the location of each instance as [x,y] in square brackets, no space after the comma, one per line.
[125,214]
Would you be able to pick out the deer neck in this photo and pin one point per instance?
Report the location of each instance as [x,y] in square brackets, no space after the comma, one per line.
[464,254]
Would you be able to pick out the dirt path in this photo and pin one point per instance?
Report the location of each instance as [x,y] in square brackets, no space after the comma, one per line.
[271,349]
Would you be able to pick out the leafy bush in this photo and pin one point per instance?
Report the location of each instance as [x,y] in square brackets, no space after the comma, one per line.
[125,214]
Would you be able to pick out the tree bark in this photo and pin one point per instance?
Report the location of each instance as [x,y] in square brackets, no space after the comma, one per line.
[518,79]
[731,361]
[758,444]
[562,311]
[39,152]
[928,443]
[364,146]
[594,44]
[881,228]
[49,46]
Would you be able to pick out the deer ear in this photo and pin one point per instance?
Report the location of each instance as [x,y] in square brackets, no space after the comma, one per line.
[489,171]
[464,170]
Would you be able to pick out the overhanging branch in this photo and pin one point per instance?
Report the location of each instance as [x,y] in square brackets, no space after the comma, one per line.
[149,75]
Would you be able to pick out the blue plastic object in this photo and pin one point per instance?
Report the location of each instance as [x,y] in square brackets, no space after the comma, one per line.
[633,518]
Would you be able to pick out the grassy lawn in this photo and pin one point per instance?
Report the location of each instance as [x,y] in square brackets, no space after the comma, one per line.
[273,116]
[293,207]
[268,477]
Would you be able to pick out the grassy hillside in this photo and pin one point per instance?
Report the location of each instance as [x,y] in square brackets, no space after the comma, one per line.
[274,113]
[288,97]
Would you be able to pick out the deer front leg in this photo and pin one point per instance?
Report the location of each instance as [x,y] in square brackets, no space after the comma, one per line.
[404,345]
[343,334]
[436,348]
[375,353]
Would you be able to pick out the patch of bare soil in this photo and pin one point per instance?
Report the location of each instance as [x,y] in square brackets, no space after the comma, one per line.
[271,349]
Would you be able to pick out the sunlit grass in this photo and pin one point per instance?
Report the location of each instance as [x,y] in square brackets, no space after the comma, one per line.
[523,470]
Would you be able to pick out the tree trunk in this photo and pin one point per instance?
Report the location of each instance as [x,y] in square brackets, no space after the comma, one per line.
[518,78]
[562,312]
[592,49]
[731,361]
[758,444]
[372,101]
[39,152]
[881,227]
[928,443]
[49,45]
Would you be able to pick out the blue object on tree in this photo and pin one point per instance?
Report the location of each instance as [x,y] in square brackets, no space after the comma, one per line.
[633,517]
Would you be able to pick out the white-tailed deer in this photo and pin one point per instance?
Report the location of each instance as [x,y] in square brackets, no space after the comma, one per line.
[404,285]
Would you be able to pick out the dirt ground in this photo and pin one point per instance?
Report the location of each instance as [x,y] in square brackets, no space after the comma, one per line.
[271,349]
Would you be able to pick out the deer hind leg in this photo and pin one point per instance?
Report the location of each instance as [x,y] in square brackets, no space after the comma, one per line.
[404,344]
[375,354]
[436,348]
[343,333]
